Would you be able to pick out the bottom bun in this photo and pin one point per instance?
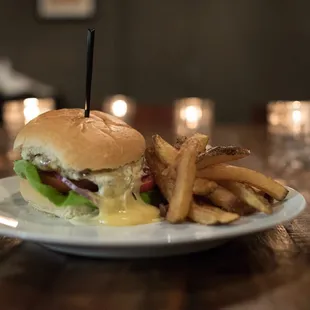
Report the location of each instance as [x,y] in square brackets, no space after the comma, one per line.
[41,203]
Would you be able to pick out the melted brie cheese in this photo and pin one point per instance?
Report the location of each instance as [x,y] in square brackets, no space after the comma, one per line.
[118,206]
[126,210]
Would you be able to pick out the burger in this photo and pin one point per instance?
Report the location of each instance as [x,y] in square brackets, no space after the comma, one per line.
[84,168]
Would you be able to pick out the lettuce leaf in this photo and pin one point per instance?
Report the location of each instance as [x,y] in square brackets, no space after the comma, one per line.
[146,197]
[28,171]
[153,197]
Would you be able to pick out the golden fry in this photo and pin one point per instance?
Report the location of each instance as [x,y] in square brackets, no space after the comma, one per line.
[199,139]
[188,168]
[185,176]
[264,195]
[180,141]
[244,175]
[215,155]
[246,194]
[183,190]
[209,215]
[203,187]
[225,199]
[164,183]
[221,154]
[164,151]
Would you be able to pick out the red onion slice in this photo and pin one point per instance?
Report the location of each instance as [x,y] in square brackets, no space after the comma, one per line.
[81,191]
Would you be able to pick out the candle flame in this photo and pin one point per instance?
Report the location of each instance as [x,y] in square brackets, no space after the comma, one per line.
[192,116]
[119,108]
[296,116]
[31,109]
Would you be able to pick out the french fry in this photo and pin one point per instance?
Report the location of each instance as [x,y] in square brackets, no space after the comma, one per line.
[221,154]
[209,215]
[180,141]
[263,195]
[203,187]
[188,169]
[165,183]
[164,151]
[246,194]
[181,199]
[267,197]
[201,141]
[244,175]
[225,199]
[168,154]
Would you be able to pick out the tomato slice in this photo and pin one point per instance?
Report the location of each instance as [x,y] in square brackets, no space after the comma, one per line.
[148,184]
[49,178]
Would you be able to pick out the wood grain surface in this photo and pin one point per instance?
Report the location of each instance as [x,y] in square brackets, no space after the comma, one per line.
[269,270]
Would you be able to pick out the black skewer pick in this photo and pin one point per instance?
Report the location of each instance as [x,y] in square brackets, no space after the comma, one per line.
[89,69]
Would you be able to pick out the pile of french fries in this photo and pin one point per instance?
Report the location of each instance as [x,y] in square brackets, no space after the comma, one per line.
[200,186]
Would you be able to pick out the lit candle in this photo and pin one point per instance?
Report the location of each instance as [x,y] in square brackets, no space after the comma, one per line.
[120,106]
[17,113]
[288,141]
[193,114]
[31,109]
[289,117]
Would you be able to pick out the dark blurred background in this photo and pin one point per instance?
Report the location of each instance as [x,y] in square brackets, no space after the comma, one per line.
[240,53]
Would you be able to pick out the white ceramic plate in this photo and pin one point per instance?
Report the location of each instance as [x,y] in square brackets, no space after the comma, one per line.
[19,220]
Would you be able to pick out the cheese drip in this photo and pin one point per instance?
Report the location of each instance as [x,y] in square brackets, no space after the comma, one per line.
[120,201]
[126,210]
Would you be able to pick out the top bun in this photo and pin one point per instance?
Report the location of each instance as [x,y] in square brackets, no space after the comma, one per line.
[101,141]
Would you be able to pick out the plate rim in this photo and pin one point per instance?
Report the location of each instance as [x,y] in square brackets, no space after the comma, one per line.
[93,243]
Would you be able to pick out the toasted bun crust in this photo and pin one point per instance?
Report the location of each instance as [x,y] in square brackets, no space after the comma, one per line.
[41,203]
[101,141]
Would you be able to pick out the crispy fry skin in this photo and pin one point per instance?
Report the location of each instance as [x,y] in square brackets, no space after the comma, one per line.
[164,151]
[182,195]
[225,199]
[208,215]
[228,150]
[244,175]
[221,154]
[246,194]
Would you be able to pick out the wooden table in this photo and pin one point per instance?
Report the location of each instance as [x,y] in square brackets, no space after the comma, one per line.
[269,270]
